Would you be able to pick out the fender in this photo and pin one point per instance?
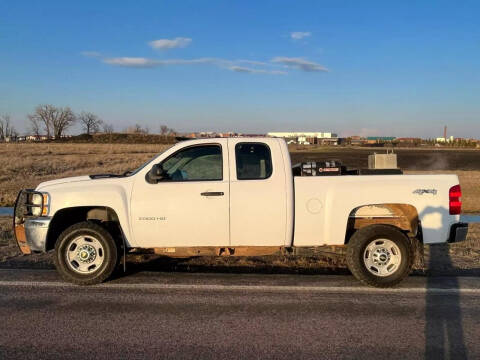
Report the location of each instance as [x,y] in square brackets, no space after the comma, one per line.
[113,193]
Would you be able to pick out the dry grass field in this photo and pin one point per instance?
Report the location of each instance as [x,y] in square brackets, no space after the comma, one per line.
[26,165]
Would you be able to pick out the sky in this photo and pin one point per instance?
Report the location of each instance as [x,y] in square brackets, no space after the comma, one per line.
[403,68]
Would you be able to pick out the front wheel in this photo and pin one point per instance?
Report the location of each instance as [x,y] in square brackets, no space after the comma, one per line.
[85,254]
[380,255]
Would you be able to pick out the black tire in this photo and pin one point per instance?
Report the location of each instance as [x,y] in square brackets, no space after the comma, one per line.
[356,252]
[109,253]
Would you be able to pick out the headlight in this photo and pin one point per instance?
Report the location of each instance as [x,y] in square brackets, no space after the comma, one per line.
[41,204]
[37,200]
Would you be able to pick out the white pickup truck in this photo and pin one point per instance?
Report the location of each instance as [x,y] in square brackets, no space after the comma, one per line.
[236,197]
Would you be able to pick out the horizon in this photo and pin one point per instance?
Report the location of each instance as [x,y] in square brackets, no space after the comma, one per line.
[217,134]
[368,69]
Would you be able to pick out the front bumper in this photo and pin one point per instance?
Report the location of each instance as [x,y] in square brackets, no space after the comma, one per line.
[458,232]
[30,232]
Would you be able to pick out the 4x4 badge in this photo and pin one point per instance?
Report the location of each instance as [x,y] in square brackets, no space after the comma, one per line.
[425,191]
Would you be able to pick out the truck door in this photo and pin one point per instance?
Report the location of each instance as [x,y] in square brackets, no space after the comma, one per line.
[258,209]
[190,206]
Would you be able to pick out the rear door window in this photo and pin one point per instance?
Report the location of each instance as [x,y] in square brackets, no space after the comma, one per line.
[253,160]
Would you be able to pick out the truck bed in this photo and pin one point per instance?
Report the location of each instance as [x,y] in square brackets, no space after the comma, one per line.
[324,204]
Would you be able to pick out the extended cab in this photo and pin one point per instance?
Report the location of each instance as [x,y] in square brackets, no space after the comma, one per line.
[236,196]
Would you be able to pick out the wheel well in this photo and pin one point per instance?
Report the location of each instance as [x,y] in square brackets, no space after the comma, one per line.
[402,216]
[67,217]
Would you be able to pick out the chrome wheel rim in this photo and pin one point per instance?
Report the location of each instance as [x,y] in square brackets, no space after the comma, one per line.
[382,257]
[85,254]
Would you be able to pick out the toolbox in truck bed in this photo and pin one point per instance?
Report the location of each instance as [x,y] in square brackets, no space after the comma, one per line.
[335,167]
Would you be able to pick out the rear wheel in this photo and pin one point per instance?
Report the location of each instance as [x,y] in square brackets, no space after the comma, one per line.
[380,255]
[86,254]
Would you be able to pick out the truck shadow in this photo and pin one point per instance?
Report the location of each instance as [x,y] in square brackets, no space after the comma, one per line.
[239,265]
[443,317]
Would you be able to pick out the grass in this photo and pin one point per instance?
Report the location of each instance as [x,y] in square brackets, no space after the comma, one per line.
[26,165]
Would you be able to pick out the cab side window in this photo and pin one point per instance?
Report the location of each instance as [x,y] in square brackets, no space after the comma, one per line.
[196,163]
[254,161]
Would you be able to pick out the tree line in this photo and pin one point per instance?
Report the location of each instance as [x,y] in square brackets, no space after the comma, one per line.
[53,122]
[7,130]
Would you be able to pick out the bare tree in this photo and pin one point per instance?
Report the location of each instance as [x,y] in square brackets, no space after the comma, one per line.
[90,122]
[43,115]
[55,120]
[107,128]
[137,129]
[6,127]
[2,126]
[65,118]
[164,129]
[35,126]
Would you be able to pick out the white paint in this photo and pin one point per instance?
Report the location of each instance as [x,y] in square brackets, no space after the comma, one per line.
[314,206]
[261,288]
[180,215]
[340,195]
[258,208]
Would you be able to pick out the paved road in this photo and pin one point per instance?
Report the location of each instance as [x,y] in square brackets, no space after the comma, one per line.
[239,316]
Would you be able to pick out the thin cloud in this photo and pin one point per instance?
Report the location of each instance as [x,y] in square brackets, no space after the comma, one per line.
[242,69]
[148,63]
[163,44]
[276,66]
[92,54]
[232,65]
[137,62]
[299,63]
[299,35]
[252,62]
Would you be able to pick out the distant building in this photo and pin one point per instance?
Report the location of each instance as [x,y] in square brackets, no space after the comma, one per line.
[211,134]
[357,141]
[235,134]
[408,140]
[444,139]
[307,138]
[381,138]
[36,137]
[251,135]
[318,135]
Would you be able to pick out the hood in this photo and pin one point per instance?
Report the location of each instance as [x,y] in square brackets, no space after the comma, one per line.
[63,181]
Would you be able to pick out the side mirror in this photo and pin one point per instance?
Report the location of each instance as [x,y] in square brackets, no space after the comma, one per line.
[156,174]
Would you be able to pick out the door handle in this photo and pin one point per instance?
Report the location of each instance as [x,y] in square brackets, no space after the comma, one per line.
[212,193]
